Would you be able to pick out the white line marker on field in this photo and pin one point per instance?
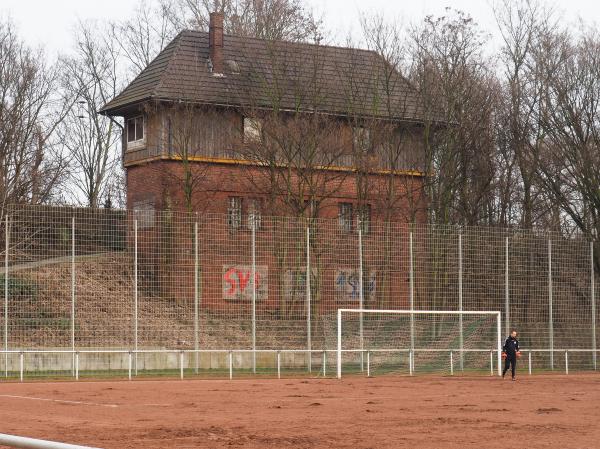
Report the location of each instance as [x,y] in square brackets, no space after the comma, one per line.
[62,401]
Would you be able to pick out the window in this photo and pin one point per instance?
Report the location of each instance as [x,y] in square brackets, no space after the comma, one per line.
[363,218]
[361,138]
[345,216]
[254,213]
[234,212]
[135,130]
[252,130]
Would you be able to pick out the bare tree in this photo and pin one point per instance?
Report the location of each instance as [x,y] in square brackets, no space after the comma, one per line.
[142,36]
[91,75]
[389,161]
[568,156]
[288,20]
[521,25]
[31,166]
[299,147]
[457,89]
[183,141]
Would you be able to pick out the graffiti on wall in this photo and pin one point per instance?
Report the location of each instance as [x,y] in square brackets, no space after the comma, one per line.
[295,285]
[347,285]
[237,282]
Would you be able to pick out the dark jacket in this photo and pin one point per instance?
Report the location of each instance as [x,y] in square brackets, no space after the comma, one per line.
[511,346]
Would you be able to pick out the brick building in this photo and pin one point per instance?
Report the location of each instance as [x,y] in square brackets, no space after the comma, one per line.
[206,104]
[251,127]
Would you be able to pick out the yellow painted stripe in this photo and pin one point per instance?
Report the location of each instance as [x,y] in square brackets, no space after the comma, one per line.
[217,160]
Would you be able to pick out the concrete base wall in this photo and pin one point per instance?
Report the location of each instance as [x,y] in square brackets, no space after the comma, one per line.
[160,361]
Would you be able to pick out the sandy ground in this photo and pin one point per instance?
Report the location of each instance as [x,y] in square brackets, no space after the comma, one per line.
[541,411]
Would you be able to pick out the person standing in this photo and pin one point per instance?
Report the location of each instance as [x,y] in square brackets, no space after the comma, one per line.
[510,352]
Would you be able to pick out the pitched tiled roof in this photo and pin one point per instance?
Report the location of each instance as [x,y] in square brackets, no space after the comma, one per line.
[264,74]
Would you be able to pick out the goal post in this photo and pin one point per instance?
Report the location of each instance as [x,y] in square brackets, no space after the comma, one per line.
[389,332]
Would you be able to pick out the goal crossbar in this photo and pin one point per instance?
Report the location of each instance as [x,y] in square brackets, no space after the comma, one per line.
[497,314]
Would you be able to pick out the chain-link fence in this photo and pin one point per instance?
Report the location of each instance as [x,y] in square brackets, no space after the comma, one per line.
[112,280]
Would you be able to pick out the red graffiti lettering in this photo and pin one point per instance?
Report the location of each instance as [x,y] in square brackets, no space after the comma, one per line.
[231,281]
[243,278]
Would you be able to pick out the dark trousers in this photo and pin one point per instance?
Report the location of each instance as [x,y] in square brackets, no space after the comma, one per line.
[511,362]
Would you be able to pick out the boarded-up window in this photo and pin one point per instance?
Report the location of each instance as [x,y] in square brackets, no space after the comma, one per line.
[252,130]
[361,138]
[234,213]
[363,218]
[345,216]
[254,211]
[144,212]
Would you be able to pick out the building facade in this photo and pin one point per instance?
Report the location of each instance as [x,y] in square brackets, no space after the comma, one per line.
[247,128]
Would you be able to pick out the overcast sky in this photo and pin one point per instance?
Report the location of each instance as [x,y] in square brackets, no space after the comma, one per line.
[50,22]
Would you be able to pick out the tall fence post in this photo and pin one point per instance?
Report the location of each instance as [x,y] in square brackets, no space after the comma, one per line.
[361,296]
[196,301]
[460,303]
[339,344]
[550,317]
[73,290]
[6,250]
[411,280]
[506,291]
[593,293]
[308,300]
[135,294]
[253,295]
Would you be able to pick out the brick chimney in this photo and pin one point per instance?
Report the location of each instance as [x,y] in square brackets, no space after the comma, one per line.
[215,41]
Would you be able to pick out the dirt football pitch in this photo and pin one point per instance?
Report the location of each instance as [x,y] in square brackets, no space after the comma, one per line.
[540,411]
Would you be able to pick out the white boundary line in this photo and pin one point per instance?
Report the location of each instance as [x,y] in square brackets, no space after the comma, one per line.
[60,401]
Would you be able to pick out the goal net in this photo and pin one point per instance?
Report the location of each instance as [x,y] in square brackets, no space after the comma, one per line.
[418,341]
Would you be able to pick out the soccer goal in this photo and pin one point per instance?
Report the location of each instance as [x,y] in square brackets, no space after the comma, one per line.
[409,341]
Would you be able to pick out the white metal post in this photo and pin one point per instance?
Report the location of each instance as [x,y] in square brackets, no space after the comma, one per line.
[6,251]
[324,363]
[253,296]
[73,290]
[21,366]
[460,303]
[411,280]
[196,301]
[368,363]
[181,365]
[550,317]
[566,362]
[410,361]
[130,359]
[308,299]
[593,304]
[361,296]
[230,365]
[499,342]
[506,291]
[339,343]
[278,365]
[451,364]
[491,363]
[529,363]
[77,366]
[135,294]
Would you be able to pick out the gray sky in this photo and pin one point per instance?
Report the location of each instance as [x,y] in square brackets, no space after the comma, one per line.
[50,22]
